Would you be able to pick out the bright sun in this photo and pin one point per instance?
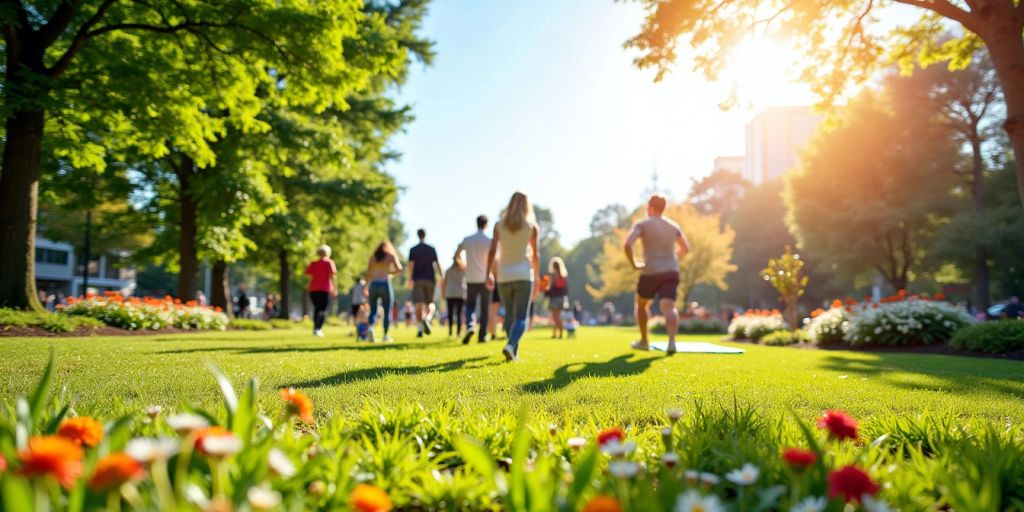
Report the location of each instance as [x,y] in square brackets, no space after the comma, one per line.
[761,70]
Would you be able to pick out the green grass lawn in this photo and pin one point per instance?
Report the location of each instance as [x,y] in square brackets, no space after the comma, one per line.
[595,374]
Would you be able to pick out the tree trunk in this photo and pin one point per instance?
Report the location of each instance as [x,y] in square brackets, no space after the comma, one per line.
[1003,39]
[981,277]
[284,281]
[19,188]
[188,260]
[220,295]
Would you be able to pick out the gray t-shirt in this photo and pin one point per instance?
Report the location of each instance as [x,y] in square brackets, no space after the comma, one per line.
[658,236]
[454,283]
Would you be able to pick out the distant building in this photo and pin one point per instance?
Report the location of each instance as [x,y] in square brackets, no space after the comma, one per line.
[59,269]
[774,138]
[729,164]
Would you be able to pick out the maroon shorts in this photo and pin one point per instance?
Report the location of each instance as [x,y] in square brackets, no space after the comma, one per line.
[662,285]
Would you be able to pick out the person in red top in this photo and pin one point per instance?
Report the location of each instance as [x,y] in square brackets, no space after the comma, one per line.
[556,286]
[322,274]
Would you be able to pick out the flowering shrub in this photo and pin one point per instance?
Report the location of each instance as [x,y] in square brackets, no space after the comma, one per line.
[906,321]
[782,338]
[828,326]
[755,324]
[134,313]
[407,458]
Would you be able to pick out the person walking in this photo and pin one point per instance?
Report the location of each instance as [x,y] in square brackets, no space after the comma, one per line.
[515,236]
[659,270]
[357,297]
[455,294]
[270,307]
[478,281]
[493,314]
[557,290]
[243,303]
[423,271]
[383,264]
[322,273]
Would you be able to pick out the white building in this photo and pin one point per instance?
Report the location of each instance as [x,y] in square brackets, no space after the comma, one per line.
[729,164]
[59,269]
[774,139]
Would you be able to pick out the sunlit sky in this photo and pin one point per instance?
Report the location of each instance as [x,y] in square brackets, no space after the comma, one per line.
[540,96]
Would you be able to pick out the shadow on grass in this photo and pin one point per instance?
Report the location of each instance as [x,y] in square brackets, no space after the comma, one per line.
[419,345]
[566,374]
[948,375]
[364,374]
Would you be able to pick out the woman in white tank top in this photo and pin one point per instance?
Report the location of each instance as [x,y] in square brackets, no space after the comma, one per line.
[515,236]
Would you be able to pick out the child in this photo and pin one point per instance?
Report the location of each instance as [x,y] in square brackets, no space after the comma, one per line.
[570,322]
[363,323]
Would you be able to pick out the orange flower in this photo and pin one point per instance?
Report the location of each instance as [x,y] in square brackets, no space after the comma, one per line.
[367,498]
[3,464]
[52,455]
[940,296]
[816,312]
[602,503]
[298,403]
[114,470]
[208,432]
[83,431]
[836,304]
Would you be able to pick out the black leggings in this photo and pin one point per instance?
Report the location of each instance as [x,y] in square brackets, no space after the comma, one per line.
[455,309]
[321,300]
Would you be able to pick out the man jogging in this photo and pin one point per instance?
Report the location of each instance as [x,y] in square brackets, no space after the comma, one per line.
[423,271]
[659,271]
[476,247]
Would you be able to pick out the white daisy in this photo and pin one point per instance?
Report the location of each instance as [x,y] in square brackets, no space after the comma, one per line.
[746,475]
[617,449]
[147,450]
[710,479]
[624,468]
[263,498]
[675,414]
[874,505]
[810,504]
[280,464]
[153,411]
[670,459]
[576,442]
[222,445]
[186,423]
[693,501]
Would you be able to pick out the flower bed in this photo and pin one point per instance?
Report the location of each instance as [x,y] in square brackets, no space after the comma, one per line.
[755,324]
[901,321]
[145,313]
[710,458]
[828,326]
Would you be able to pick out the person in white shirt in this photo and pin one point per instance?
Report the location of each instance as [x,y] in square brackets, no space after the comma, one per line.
[478,281]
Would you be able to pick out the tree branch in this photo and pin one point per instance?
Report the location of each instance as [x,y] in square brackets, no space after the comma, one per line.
[58,22]
[78,41]
[948,10]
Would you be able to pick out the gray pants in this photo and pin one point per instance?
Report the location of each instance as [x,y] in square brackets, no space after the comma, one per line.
[516,296]
[477,293]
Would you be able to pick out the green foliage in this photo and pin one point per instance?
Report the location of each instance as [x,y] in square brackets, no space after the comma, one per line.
[692,326]
[786,276]
[855,216]
[781,338]
[246,324]
[999,337]
[905,322]
[52,322]
[435,459]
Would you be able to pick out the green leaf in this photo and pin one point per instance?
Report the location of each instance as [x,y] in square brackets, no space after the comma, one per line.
[480,459]
[17,493]
[226,389]
[41,395]
[586,467]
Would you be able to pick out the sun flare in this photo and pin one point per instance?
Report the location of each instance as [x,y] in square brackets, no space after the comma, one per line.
[761,71]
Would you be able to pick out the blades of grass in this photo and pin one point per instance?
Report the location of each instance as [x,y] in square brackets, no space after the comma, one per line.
[226,389]
[17,493]
[41,394]
[479,458]
[586,467]
[51,427]
[517,471]
[246,412]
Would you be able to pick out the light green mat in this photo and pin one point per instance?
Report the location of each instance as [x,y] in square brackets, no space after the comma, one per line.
[696,347]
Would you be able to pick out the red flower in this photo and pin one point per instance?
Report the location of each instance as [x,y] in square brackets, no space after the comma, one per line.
[83,431]
[3,464]
[52,455]
[839,425]
[851,483]
[114,470]
[609,434]
[798,458]
[940,296]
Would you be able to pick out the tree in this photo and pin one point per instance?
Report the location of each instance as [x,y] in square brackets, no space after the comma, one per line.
[706,263]
[719,193]
[969,102]
[850,47]
[852,214]
[785,274]
[607,219]
[95,77]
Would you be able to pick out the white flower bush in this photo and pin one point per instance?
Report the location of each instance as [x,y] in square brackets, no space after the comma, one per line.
[756,324]
[135,313]
[905,322]
[828,326]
